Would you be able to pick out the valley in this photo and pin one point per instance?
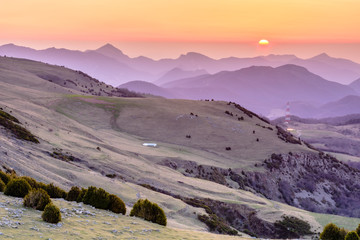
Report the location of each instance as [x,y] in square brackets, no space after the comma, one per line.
[233,158]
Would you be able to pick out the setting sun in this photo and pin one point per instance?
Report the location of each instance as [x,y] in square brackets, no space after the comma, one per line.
[263,42]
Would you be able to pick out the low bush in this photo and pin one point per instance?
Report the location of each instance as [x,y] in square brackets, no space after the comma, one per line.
[352,236]
[343,233]
[37,199]
[116,205]
[17,188]
[330,232]
[4,177]
[358,230]
[54,191]
[149,211]
[51,214]
[217,224]
[294,225]
[73,194]
[81,195]
[2,185]
[33,183]
[17,130]
[97,197]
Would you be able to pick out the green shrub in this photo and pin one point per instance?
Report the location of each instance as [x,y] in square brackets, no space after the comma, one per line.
[54,191]
[97,198]
[330,232]
[148,211]
[81,195]
[343,233]
[358,230]
[33,183]
[19,131]
[5,177]
[51,214]
[116,205]
[17,188]
[294,225]
[218,225]
[37,199]
[2,185]
[73,194]
[352,236]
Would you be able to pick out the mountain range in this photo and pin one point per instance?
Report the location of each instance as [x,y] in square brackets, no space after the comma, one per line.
[111,65]
[262,89]
[263,83]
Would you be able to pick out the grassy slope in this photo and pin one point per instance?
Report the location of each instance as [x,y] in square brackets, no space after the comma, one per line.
[99,224]
[80,124]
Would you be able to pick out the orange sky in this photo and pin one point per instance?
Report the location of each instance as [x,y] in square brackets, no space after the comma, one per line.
[91,23]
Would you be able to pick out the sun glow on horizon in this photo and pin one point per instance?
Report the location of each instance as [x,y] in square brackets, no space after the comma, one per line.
[263,42]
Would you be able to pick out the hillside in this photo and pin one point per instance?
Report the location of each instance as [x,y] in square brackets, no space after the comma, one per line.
[31,74]
[211,155]
[24,223]
[338,135]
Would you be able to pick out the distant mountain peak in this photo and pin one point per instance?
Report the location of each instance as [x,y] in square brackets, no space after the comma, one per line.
[293,67]
[108,47]
[9,45]
[110,50]
[193,55]
[322,56]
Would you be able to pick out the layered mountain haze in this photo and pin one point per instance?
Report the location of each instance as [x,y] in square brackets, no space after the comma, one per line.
[334,69]
[217,166]
[97,65]
[266,88]
[149,88]
[356,85]
[111,65]
[178,73]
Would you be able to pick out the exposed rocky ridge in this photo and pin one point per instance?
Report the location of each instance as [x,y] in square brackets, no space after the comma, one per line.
[223,216]
[314,182]
[318,183]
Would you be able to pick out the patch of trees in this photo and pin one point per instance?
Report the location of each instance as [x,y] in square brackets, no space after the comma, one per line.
[247,112]
[38,195]
[293,227]
[66,157]
[286,136]
[149,211]
[12,124]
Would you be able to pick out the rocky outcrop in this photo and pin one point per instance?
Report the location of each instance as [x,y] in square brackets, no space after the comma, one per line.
[312,181]
[315,182]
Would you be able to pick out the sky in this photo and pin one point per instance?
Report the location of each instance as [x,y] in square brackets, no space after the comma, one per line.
[167,28]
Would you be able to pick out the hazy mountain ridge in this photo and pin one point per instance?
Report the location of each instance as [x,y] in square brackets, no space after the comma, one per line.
[356,85]
[148,88]
[265,88]
[97,65]
[111,65]
[178,73]
[347,105]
